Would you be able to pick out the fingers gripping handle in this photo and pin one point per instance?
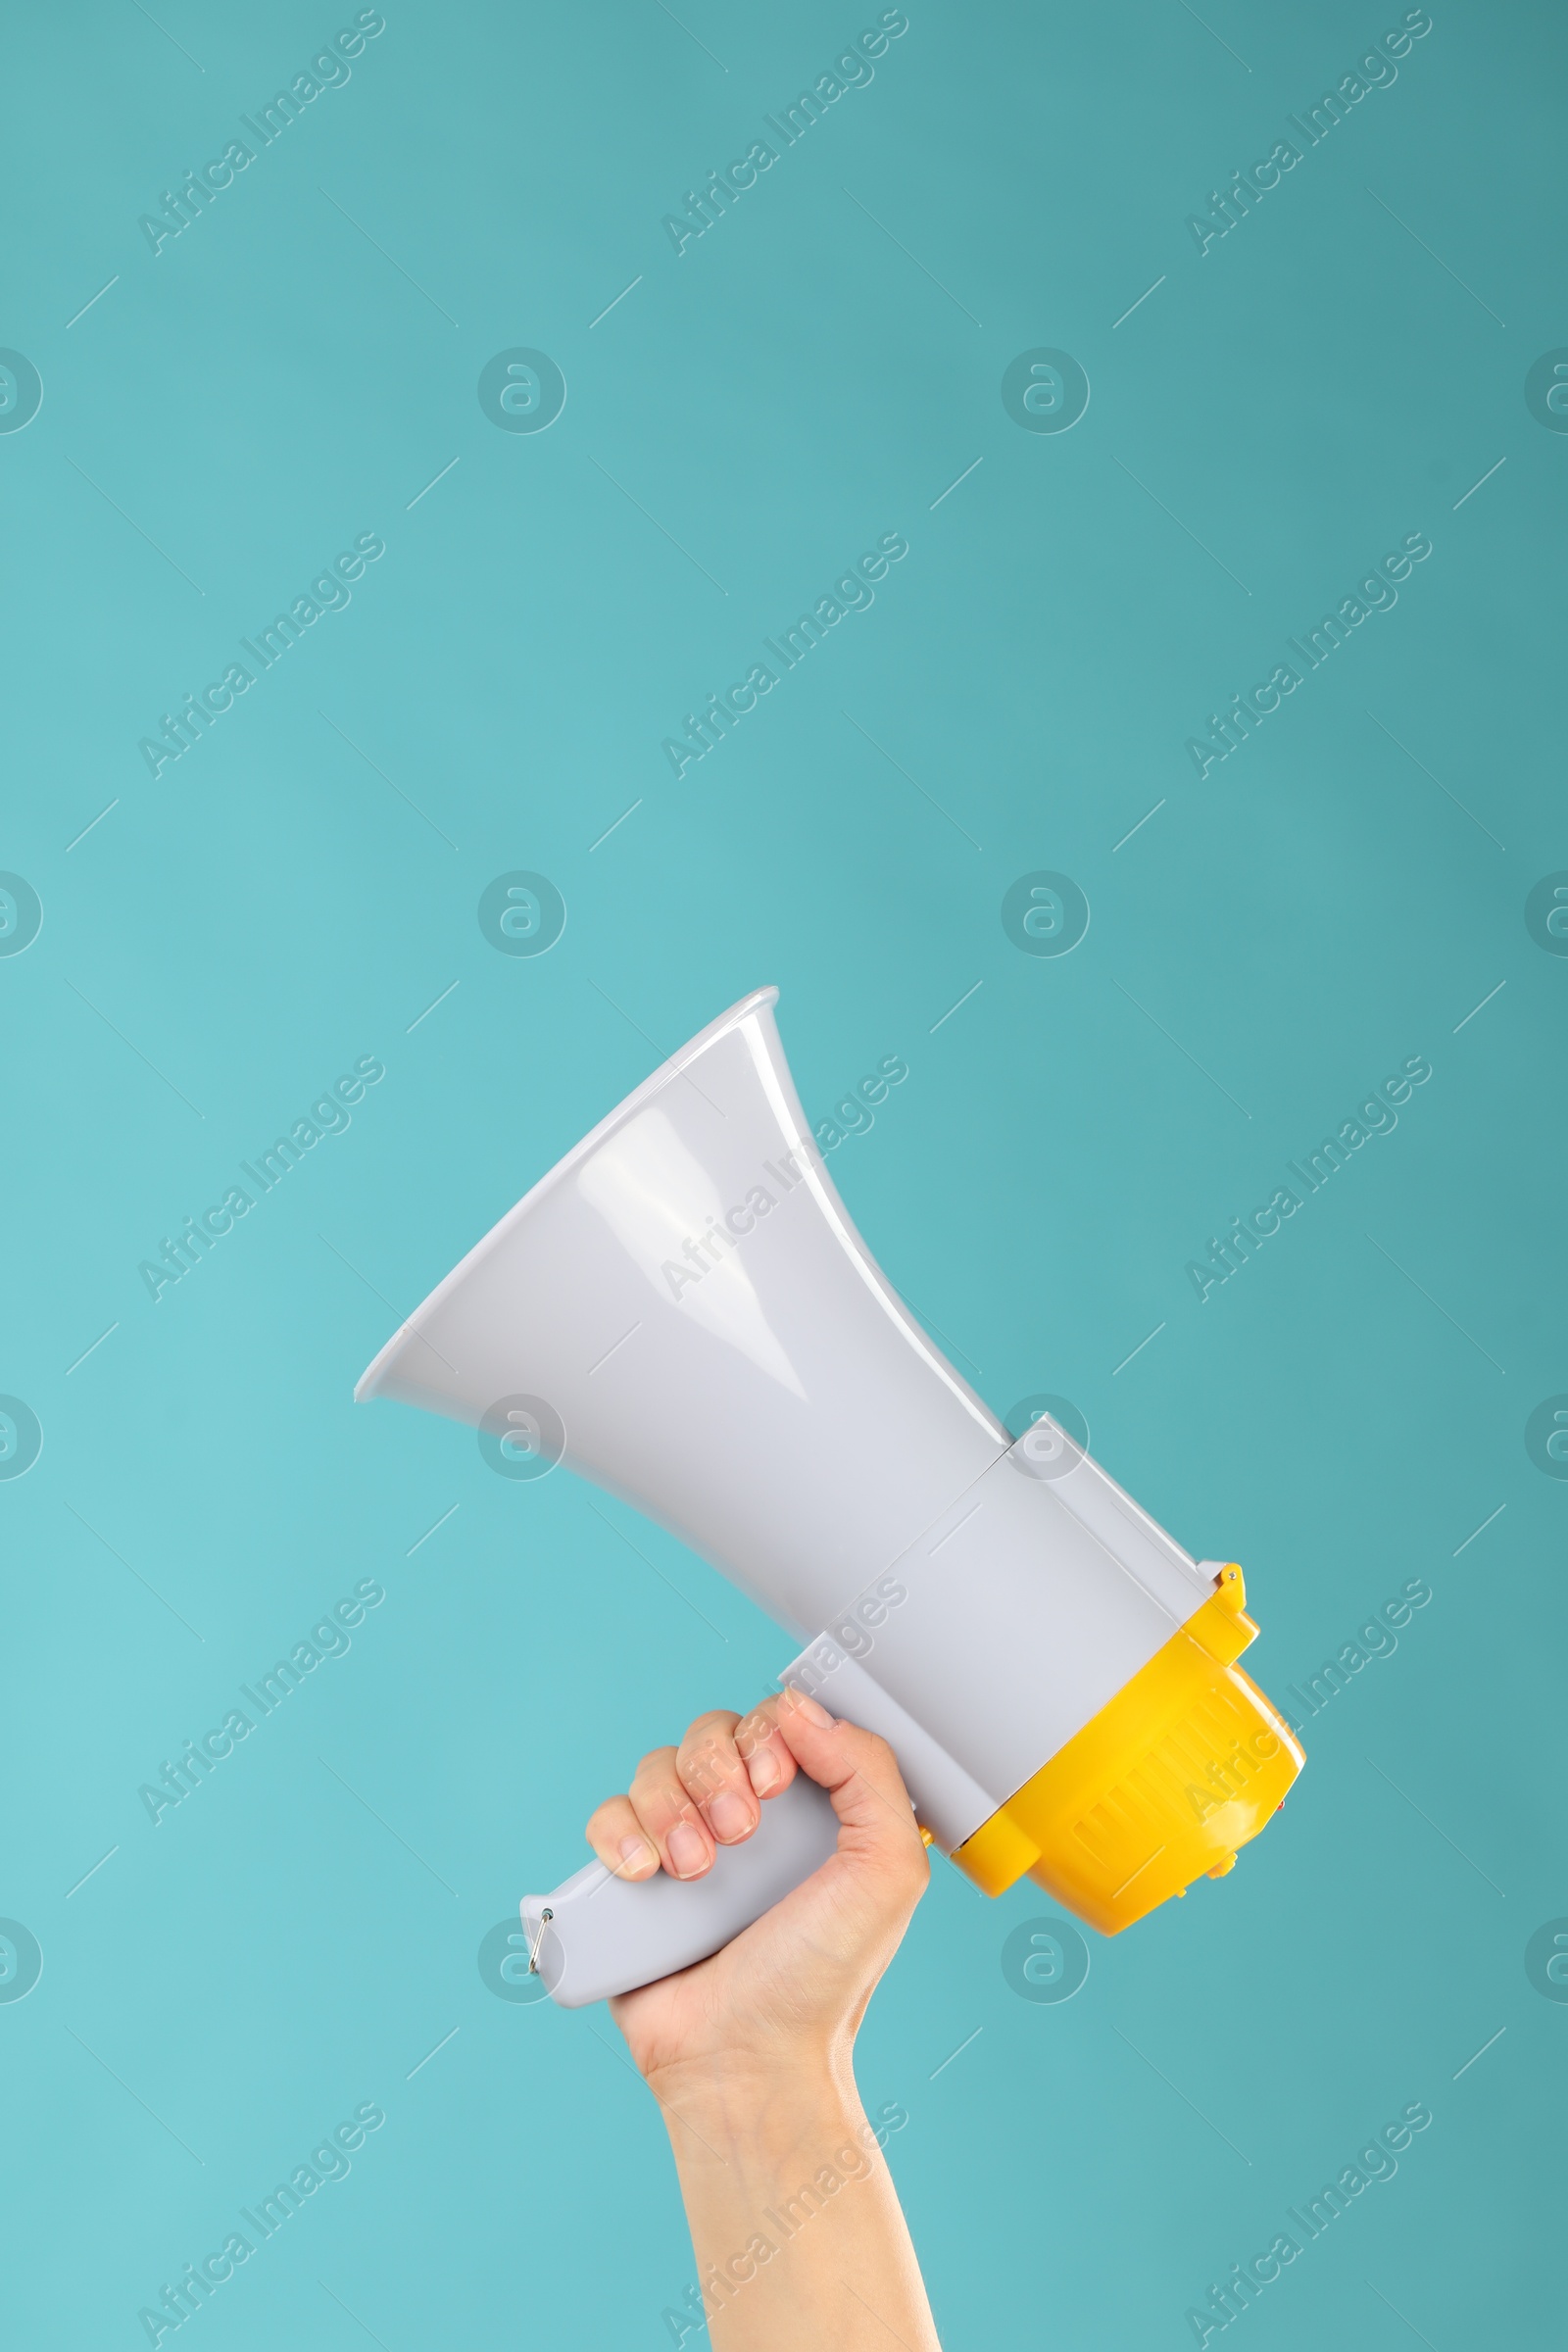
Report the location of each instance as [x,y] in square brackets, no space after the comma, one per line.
[607,1935]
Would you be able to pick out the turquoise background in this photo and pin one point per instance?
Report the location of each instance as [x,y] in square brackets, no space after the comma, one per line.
[295,892]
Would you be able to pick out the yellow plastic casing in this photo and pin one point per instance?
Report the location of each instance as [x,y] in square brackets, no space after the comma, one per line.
[1182,1767]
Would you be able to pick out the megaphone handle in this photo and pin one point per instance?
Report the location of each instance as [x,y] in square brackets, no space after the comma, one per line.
[605,1935]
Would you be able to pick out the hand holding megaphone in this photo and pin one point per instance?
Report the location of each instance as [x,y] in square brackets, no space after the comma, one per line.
[682,1311]
[791,1977]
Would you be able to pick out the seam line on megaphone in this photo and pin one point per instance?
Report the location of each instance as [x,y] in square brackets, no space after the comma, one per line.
[872,1590]
[1127,1508]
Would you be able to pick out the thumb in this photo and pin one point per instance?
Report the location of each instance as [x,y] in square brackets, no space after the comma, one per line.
[861,1776]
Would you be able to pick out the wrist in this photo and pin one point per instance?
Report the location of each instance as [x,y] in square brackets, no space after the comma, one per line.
[764,2107]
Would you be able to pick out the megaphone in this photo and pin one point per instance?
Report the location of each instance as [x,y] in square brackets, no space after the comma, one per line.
[682,1312]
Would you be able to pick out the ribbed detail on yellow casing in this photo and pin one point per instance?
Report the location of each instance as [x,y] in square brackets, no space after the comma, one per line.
[1186,1764]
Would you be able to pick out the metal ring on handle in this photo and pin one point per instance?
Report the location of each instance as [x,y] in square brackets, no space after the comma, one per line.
[545,1916]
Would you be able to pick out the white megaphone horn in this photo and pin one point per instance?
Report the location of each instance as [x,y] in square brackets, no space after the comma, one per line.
[682,1311]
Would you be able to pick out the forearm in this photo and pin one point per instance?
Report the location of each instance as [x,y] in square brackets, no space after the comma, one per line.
[799,2237]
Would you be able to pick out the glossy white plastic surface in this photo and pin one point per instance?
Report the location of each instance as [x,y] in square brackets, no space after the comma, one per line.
[607,1934]
[778,1407]
[1010,1621]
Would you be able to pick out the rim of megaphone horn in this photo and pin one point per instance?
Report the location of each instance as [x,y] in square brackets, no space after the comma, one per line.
[368,1384]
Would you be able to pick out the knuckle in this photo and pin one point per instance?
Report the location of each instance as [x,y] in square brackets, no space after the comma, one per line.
[707,1766]
[714,1724]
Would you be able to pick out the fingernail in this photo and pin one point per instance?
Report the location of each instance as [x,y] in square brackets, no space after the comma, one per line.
[687,1849]
[636,1852]
[764,1769]
[730,1817]
[810,1708]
